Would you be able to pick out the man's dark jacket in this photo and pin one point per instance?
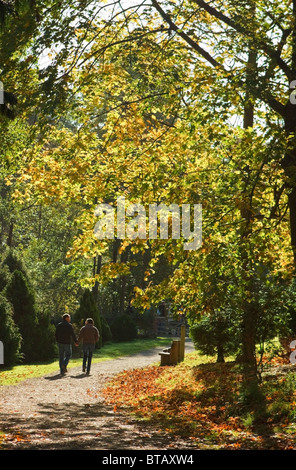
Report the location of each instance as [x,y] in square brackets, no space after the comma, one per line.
[65,333]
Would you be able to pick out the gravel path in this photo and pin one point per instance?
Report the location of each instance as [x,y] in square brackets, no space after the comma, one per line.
[69,412]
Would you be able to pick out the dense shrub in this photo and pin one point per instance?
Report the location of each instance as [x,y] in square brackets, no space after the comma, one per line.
[123,328]
[44,344]
[106,331]
[212,336]
[146,323]
[88,309]
[21,296]
[37,332]
[9,333]
[14,262]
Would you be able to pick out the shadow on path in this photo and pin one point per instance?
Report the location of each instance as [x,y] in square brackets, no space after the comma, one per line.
[68,412]
[71,426]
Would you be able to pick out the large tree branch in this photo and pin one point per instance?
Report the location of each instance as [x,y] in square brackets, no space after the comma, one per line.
[185,36]
[264,94]
[276,105]
[249,34]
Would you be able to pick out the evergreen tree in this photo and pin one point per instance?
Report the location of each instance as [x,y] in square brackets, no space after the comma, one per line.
[213,335]
[106,331]
[123,328]
[20,295]
[44,343]
[88,309]
[9,333]
[14,262]
[38,340]
[4,276]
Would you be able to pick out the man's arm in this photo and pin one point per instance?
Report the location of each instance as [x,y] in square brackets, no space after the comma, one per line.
[80,336]
[73,334]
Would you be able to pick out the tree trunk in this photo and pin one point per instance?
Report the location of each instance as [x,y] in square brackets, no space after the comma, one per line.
[97,264]
[289,162]
[248,322]
[292,210]
[123,282]
[220,353]
[249,336]
[289,167]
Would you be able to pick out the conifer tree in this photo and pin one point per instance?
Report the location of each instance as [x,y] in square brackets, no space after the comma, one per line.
[21,297]
[88,309]
[9,333]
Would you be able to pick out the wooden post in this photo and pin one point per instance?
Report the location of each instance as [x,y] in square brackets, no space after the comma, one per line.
[182,343]
[175,352]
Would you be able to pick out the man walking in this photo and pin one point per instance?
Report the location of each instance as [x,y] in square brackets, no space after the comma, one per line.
[88,335]
[64,335]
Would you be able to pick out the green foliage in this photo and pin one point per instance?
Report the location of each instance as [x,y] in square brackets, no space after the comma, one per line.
[123,328]
[44,347]
[212,335]
[14,263]
[37,332]
[21,297]
[269,302]
[4,276]
[106,331]
[9,333]
[135,112]
[46,233]
[88,309]
[146,322]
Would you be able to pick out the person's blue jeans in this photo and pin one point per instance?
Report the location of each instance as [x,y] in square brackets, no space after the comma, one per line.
[65,353]
[88,350]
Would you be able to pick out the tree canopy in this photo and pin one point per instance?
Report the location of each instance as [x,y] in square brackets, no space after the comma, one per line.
[157,102]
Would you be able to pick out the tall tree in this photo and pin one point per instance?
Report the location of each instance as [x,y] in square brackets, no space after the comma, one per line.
[270,31]
[152,90]
[9,333]
[218,39]
[88,309]
[21,297]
